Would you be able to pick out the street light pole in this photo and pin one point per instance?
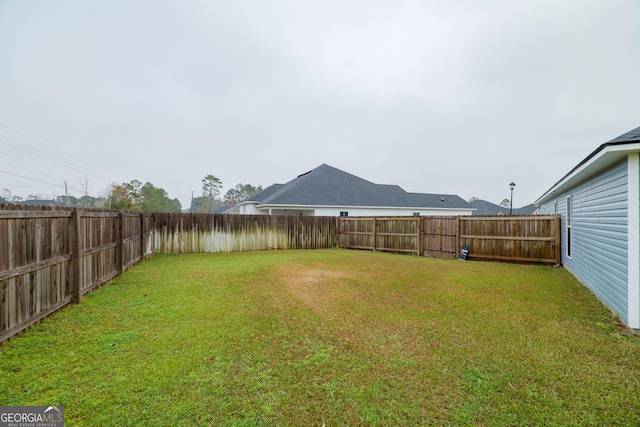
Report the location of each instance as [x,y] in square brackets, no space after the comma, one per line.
[512,185]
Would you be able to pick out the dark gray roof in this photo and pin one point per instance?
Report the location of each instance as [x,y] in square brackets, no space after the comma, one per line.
[487,208]
[221,209]
[526,210]
[631,136]
[264,194]
[328,186]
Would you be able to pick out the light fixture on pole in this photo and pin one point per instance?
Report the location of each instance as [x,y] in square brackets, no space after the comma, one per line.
[512,185]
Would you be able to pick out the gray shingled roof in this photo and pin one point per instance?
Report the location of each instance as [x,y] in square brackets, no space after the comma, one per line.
[626,138]
[487,208]
[328,186]
[631,136]
[264,194]
[221,209]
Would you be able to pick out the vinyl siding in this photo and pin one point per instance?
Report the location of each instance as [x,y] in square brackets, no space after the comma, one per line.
[599,231]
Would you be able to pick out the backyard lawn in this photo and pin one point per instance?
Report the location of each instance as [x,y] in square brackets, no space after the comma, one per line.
[330,337]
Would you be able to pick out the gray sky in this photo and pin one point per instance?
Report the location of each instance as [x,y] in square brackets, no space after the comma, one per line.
[458,97]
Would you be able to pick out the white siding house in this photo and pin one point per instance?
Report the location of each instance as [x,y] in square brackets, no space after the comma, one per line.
[599,203]
[327,191]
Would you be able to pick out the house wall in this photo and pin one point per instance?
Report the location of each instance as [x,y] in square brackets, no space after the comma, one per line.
[353,211]
[599,250]
[363,211]
[249,210]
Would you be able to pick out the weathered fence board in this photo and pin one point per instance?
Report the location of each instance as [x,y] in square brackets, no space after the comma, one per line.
[35,258]
[512,238]
[440,236]
[199,233]
[503,238]
[50,257]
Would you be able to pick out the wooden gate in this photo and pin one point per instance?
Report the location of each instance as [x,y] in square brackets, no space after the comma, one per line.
[440,237]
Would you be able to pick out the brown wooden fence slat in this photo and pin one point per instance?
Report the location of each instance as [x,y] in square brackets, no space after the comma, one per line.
[533,239]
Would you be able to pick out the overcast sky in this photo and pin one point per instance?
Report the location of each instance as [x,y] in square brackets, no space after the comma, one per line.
[456,97]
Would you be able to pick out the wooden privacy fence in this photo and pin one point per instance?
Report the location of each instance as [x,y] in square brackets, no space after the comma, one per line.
[533,239]
[512,238]
[51,257]
[184,233]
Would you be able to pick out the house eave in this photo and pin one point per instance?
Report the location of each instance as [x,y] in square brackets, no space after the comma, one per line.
[601,158]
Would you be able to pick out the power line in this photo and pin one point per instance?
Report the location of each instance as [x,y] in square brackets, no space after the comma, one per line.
[32,151]
[52,159]
[56,151]
[32,179]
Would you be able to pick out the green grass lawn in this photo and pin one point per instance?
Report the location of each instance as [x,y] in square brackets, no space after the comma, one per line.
[330,337]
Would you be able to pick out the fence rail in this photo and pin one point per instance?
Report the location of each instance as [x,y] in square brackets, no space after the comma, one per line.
[503,238]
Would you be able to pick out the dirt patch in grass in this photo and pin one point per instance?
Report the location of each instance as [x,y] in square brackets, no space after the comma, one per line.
[316,289]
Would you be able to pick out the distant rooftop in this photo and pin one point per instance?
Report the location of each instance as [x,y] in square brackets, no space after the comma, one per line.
[328,186]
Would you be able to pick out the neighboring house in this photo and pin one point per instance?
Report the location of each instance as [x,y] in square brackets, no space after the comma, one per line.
[599,201]
[222,209]
[327,191]
[487,208]
[531,209]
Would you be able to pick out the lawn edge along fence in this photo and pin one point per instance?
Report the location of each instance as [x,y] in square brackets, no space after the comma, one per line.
[531,239]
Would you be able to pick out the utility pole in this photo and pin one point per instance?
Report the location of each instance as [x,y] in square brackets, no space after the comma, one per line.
[191,201]
[66,193]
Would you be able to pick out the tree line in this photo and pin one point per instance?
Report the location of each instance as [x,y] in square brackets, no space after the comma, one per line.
[136,196]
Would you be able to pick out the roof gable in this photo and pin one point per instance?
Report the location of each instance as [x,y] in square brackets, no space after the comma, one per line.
[328,186]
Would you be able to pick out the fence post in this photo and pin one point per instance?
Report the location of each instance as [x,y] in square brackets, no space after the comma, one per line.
[458,242]
[558,233]
[119,245]
[74,246]
[337,232]
[142,243]
[375,233]
[419,231]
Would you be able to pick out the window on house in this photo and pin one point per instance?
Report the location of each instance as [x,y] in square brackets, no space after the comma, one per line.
[568,222]
[416,214]
[344,213]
